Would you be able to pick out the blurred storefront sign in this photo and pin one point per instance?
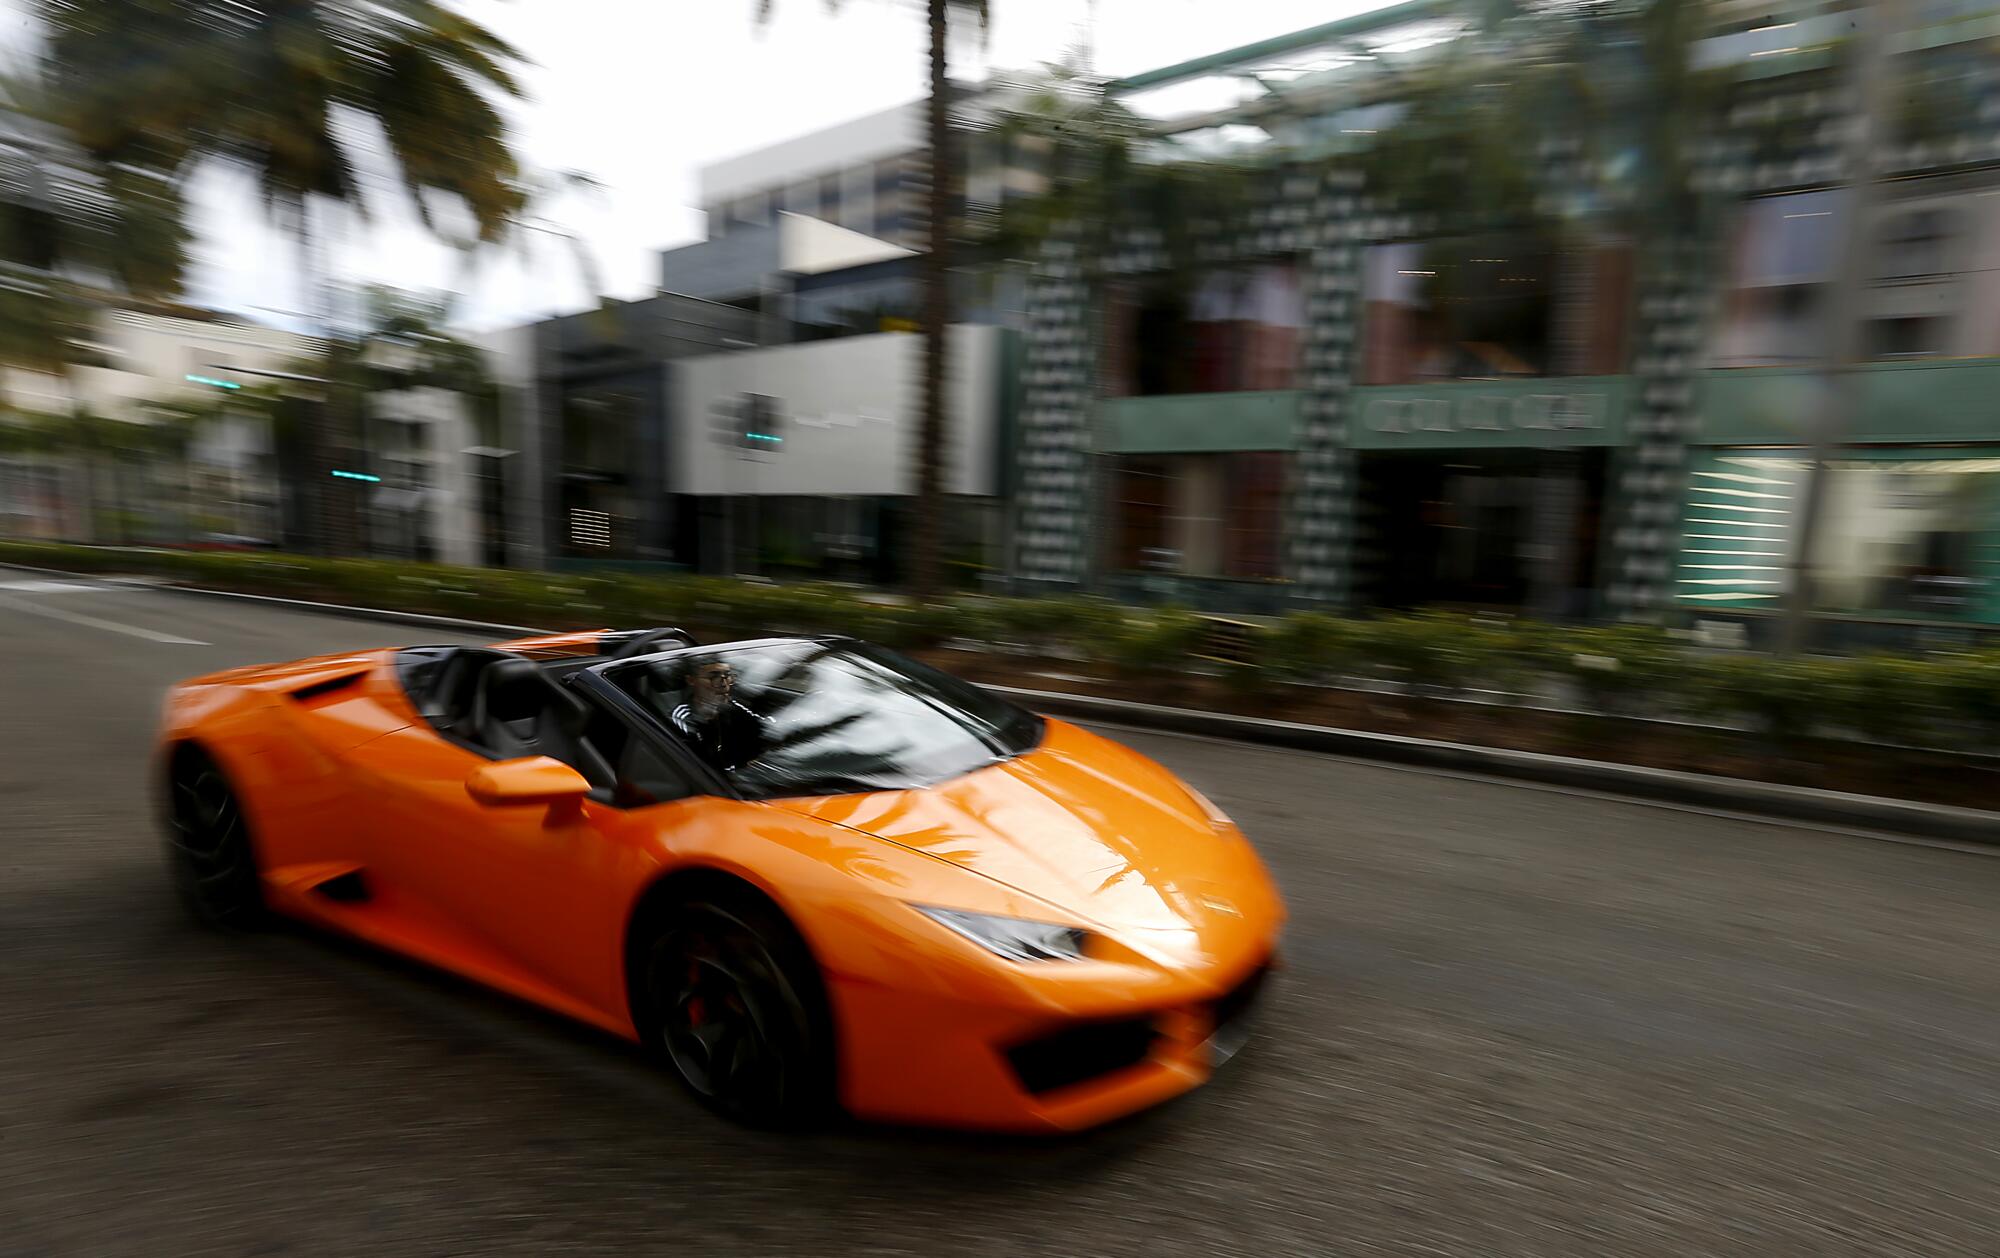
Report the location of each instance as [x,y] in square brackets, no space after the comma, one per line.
[833,418]
[1195,423]
[1920,401]
[1475,414]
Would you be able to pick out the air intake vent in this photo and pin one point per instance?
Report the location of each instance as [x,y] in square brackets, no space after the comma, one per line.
[332,685]
[1082,1052]
[347,888]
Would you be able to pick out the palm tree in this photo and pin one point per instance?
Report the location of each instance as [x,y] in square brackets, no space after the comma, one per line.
[270,88]
[77,234]
[926,559]
[75,229]
[1114,179]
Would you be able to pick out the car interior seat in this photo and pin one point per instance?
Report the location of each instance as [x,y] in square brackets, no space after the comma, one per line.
[661,686]
[448,703]
[518,710]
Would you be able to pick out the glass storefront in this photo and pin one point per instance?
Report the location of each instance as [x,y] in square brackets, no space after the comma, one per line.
[1200,515]
[1903,533]
[1233,330]
[1510,304]
[1510,530]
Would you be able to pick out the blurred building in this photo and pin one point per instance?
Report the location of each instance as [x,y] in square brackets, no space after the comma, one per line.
[870,175]
[1372,401]
[151,425]
[759,414]
[438,493]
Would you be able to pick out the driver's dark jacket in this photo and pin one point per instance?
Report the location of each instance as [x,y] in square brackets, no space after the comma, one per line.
[727,739]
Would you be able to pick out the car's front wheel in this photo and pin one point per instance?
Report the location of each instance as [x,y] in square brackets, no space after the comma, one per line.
[732,999]
[209,854]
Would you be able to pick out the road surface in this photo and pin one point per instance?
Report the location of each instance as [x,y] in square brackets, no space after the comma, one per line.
[1515,1021]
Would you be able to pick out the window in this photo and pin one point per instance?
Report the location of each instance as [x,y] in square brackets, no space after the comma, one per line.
[1486,307]
[1254,516]
[1916,243]
[1905,533]
[1141,527]
[838,717]
[1907,536]
[1784,255]
[1201,515]
[647,776]
[1230,330]
[1909,337]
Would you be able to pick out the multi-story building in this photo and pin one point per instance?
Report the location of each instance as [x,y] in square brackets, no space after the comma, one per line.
[870,175]
[1373,402]
[758,414]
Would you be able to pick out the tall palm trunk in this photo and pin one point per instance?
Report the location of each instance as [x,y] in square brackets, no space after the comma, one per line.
[925,574]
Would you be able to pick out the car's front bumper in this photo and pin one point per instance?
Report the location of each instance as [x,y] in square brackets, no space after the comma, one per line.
[938,1060]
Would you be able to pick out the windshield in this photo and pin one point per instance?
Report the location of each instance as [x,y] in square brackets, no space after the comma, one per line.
[826,718]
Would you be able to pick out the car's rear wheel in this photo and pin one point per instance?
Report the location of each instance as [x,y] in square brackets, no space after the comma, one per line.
[209,854]
[732,999]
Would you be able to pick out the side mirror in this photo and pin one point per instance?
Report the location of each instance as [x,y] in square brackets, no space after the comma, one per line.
[529,780]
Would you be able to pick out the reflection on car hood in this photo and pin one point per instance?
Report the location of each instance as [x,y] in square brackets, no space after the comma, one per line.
[1099,832]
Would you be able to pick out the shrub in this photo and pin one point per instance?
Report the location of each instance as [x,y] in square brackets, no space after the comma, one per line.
[1937,700]
[1621,669]
[1309,647]
[1150,644]
[1778,698]
[1439,653]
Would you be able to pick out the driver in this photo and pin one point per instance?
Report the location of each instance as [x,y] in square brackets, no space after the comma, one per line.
[721,730]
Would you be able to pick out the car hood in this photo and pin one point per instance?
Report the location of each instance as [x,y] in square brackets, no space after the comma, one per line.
[1100,833]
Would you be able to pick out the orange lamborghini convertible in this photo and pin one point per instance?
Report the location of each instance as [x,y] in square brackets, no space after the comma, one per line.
[805,872]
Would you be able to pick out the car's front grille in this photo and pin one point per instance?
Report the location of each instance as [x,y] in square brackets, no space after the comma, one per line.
[1080,1053]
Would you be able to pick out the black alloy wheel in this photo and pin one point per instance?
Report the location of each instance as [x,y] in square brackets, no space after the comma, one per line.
[735,1004]
[208,844]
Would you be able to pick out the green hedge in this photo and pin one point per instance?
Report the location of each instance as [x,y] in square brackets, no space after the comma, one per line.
[1949,701]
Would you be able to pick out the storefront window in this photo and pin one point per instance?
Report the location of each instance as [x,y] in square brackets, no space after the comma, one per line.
[1911,537]
[600,443]
[1233,330]
[1201,515]
[1255,515]
[1139,535]
[1485,307]
[1904,533]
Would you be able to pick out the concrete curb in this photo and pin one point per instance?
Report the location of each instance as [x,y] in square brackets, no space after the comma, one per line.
[1794,803]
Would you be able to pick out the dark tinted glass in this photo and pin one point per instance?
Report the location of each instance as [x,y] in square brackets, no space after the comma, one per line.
[832,718]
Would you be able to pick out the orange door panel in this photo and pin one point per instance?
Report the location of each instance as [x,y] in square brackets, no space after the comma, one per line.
[529,887]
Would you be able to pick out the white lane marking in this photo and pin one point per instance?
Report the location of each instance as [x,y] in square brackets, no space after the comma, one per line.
[52,587]
[92,622]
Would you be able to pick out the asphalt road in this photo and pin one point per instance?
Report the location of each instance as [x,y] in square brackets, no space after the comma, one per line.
[1515,1022]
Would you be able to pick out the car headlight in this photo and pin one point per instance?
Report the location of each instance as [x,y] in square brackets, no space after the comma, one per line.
[1014,938]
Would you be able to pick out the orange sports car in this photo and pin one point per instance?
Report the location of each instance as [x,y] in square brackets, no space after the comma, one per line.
[806,872]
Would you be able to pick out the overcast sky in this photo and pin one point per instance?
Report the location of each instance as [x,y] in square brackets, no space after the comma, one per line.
[640,93]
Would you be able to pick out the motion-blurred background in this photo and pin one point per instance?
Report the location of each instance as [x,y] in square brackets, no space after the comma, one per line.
[1578,310]
[1615,379]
